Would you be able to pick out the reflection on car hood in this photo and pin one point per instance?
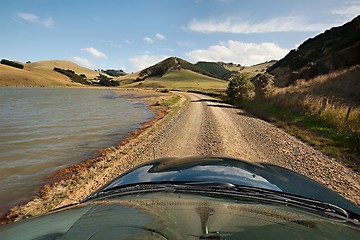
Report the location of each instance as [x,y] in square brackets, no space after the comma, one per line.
[229,170]
[115,211]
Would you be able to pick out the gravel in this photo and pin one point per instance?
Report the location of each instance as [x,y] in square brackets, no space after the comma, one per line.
[209,127]
[204,126]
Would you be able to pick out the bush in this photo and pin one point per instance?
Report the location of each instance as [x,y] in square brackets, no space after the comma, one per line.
[105,81]
[12,64]
[72,75]
[263,85]
[239,87]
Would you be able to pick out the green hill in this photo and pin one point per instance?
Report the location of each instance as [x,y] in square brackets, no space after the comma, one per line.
[183,79]
[170,64]
[215,69]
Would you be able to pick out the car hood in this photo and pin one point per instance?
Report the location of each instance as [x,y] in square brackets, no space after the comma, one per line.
[228,170]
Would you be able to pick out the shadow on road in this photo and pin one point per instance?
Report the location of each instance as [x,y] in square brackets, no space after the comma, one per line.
[225,105]
[208,100]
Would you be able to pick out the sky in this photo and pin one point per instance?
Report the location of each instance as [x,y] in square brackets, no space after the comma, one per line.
[134,34]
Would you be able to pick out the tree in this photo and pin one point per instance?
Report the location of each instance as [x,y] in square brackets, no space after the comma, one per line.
[239,87]
[263,85]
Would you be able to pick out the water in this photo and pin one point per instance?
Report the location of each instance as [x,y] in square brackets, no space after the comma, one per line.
[45,129]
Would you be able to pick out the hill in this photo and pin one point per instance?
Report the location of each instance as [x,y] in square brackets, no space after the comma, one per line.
[168,65]
[51,64]
[42,74]
[216,69]
[335,49]
[252,71]
[183,79]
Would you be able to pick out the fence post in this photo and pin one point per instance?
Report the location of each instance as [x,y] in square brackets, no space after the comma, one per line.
[323,106]
[347,115]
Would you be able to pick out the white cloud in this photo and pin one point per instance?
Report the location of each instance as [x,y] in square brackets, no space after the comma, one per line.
[94,52]
[160,36]
[28,17]
[82,61]
[148,40]
[347,12]
[48,22]
[239,52]
[141,62]
[236,25]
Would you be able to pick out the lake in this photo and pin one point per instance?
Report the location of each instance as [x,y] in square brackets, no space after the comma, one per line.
[46,129]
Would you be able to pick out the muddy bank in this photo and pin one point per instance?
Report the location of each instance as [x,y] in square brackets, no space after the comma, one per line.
[74,183]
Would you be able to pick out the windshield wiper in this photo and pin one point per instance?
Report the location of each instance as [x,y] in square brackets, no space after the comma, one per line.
[223,188]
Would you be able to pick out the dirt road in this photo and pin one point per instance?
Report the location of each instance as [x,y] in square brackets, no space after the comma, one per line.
[207,126]
[204,126]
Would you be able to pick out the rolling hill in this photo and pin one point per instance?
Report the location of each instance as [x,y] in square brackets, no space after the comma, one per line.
[173,73]
[184,79]
[41,74]
[216,69]
[335,49]
[168,65]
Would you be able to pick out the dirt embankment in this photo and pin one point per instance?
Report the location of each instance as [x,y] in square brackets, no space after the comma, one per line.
[204,126]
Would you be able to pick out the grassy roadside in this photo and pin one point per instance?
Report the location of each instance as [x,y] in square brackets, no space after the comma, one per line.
[340,144]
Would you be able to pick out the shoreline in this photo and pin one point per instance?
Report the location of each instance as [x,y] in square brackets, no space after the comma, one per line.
[73,183]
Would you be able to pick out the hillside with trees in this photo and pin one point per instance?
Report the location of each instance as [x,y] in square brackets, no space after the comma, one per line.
[170,64]
[216,69]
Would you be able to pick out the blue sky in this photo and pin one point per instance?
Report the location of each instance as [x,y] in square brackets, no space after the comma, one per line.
[134,34]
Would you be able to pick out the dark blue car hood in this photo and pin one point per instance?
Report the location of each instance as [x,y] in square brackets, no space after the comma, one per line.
[228,170]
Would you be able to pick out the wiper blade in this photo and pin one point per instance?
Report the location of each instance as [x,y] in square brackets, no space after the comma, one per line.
[228,189]
[161,186]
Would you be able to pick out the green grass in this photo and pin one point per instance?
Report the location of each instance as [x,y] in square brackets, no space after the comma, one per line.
[170,102]
[185,80]
[341,144]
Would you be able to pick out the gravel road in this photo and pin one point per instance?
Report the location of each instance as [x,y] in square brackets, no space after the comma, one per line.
[207,127]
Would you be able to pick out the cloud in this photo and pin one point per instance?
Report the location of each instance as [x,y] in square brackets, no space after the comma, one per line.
[185,44]
[347,12]
[141,62]
[236,25]
[94,52]
[160,36]
[82,61]
[239,52]
[148,40]
[48,22]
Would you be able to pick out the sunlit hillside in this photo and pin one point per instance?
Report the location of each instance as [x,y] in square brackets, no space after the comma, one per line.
[181,79]
[10,76]
[50,64]
[252,71]
[42,74]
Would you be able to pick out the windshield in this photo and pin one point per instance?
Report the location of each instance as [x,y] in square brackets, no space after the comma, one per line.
[180,216]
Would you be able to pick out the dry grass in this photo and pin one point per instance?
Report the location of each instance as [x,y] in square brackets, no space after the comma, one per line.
[42,74]
[182,79]
[252,71]
[50,64]
[329,95]
[10,76]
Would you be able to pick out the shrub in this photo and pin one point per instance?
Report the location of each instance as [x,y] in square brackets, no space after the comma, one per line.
[72,75]
[105,81]
[263,85]
[12,64]
[239,87]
